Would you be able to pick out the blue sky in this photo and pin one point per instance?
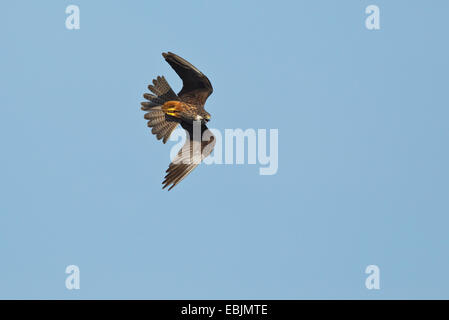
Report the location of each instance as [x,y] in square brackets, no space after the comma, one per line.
[363,160]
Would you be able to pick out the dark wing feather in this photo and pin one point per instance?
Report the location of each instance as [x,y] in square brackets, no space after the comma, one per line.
[191,154]
[196,86]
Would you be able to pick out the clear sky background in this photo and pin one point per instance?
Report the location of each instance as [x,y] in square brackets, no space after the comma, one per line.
[363,151]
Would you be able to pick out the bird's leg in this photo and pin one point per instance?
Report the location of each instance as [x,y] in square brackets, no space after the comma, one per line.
[172,108]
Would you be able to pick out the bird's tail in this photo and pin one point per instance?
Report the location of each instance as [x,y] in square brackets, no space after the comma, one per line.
[161,126]
[162,93]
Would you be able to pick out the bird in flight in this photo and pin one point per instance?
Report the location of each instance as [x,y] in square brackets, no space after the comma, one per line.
[166,109]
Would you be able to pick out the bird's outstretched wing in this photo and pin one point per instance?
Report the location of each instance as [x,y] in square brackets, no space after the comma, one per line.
[195,149]
[196,87]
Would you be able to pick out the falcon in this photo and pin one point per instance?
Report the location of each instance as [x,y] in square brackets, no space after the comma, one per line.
[166,110]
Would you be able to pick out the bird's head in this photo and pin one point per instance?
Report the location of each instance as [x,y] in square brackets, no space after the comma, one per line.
[206,116]
[203,117]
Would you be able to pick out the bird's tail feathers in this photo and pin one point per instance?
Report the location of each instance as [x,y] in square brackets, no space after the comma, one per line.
[162,93]
[157,120]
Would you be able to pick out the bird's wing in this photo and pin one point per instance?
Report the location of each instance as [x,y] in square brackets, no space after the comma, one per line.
[196,87]
[194,150]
